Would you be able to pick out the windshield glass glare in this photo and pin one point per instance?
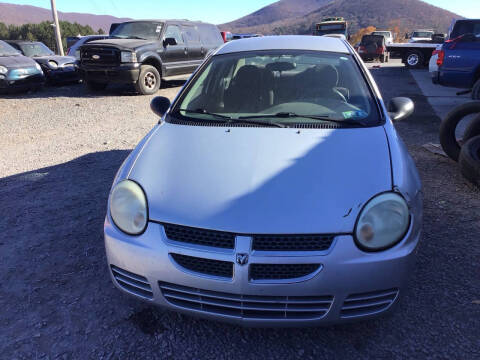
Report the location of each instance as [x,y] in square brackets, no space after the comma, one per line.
[7,50]
[138,30]
[271,82]
[422,34]
[36,49]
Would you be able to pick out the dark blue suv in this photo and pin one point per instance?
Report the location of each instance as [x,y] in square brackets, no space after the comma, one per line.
[459,59]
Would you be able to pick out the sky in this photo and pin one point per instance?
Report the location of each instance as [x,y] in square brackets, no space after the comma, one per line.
[214,11]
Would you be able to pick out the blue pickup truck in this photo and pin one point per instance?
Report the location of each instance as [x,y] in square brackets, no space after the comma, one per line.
[459,58]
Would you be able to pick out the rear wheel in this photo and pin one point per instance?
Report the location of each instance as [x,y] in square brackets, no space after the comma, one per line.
[470,160]
[414,59]
[96,86]
[383,58]
[149,80]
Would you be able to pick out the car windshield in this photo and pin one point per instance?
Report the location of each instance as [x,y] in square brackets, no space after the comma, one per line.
[7,50]
[282,86]
[36,49]
[138,30]
[422,34]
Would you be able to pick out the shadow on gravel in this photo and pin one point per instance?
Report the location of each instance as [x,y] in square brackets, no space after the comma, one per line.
[81,91]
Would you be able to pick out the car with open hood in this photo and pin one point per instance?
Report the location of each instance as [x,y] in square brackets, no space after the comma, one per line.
[57,69]
[18,71]
[274,191]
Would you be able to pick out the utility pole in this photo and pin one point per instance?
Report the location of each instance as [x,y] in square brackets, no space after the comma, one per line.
[57,29]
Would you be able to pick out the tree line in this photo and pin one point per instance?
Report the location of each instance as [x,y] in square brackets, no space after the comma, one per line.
[45,32]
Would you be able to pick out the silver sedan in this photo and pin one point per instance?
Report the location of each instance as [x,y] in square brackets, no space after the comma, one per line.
[274,191]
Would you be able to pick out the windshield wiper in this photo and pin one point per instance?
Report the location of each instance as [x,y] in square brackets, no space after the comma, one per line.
[229,120]
[286,115]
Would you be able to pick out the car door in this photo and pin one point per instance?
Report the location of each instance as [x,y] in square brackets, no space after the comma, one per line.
[174,57]
[196,50]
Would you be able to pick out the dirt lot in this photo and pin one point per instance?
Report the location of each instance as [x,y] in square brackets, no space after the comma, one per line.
[61,148]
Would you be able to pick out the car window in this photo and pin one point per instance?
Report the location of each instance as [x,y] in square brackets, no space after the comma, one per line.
[271,82]
[173,31]
[7,50]
[210,35]
[36,49]
[422,34]
[191,34]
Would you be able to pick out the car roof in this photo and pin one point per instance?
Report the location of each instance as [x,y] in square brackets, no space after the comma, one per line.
[286,42]
[183,21]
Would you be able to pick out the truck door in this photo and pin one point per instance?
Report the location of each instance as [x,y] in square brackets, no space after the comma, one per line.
[196,50]
[174,57]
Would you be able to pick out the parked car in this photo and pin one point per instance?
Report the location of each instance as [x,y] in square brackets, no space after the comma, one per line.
[226,36]
[74,49]
[388,35]
[57,69]
[18,71]
[274,191]
[146,52]
[373,47]
[459,63]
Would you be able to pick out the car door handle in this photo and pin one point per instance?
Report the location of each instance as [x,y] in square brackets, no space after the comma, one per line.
[186,51]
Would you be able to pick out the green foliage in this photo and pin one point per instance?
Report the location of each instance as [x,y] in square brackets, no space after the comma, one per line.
[43,32]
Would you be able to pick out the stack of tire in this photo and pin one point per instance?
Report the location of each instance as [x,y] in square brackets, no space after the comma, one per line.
[467,152]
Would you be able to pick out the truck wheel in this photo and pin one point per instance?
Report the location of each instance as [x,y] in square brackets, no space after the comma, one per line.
[414,59]
[449,124]
[476,90]
[382,58]
[473,129]
[95,86]
[470,160]
[149,80]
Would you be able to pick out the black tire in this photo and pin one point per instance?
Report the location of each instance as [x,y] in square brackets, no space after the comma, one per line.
[95,86]
[470,160]
[449,124]
[473,129]
[476,90]
[382,58]
[149,80]
[414,59]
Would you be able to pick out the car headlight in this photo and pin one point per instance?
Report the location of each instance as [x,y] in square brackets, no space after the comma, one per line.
[53,64]
[128,207]
[382,223]
[3,70]
[128,57]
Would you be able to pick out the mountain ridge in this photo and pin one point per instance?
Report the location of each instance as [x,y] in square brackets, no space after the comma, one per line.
[12,14]
[405,14]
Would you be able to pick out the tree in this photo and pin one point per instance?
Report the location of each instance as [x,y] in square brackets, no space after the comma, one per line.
[100,31]
[357,37]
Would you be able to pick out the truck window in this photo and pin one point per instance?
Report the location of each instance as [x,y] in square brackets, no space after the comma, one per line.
[210,35]
[173,31]
[463,27]
[191,34]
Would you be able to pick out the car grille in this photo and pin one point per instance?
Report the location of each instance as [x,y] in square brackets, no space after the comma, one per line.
[205,266]
[305,242]
[368,303]
[108,56]
[219,239]
[281,271]
[246,306]
[133,283]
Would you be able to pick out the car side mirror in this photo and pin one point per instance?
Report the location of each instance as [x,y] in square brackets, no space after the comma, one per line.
[400,108]
[160,105]
[169,42]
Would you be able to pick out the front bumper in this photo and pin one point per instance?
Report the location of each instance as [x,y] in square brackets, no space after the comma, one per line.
[67,74]
[123,74]
[349,285]
[27,82]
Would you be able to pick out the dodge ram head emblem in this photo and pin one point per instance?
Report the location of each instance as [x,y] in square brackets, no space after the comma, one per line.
[242,259]
[95,57]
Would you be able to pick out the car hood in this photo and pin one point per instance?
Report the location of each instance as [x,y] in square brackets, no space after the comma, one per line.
[16,62]
[262,180]
[60,60]
[126,44]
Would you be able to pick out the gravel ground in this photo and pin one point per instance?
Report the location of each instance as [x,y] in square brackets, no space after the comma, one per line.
[61,149]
